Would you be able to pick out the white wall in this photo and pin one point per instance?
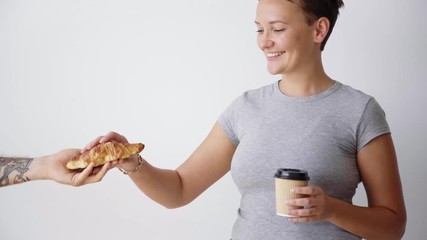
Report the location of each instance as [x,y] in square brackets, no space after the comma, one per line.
[161,72]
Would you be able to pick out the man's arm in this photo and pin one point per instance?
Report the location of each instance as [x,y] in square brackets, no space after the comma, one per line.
[14,170]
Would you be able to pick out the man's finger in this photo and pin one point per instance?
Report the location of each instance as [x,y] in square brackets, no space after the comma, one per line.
[100,175]
[81,177]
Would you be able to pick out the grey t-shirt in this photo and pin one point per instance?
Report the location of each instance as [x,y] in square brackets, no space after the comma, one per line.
[320,134]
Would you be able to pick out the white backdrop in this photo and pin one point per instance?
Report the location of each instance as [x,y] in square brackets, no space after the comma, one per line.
[161,72]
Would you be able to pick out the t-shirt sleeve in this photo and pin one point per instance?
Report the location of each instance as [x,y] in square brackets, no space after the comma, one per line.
[372,124]
[228,121]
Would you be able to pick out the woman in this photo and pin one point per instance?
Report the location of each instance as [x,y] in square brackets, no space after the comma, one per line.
[307,121]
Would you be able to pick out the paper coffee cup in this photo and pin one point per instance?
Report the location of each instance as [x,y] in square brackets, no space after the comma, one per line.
[286,179]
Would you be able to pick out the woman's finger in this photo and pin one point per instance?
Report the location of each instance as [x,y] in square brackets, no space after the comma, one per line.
[92,144]
[113,136]
[306,190]
[110,165]
[96,170]
[305,212]
[303,219]
[303,202]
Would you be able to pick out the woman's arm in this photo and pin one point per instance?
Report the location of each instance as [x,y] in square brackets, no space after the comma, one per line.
[385,216]
[176,188]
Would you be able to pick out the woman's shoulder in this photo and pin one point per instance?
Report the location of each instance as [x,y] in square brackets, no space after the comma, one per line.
[352,95]
[253,98]
[259,94]
[355,101]
[260,91]
[349,90]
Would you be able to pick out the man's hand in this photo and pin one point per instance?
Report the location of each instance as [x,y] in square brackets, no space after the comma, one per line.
[54,168]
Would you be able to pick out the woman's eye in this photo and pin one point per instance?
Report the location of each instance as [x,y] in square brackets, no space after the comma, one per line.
[274,30]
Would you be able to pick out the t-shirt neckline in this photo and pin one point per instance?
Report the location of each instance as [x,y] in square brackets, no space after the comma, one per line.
[311,98]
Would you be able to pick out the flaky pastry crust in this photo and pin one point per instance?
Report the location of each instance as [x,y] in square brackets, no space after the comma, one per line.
[103,153]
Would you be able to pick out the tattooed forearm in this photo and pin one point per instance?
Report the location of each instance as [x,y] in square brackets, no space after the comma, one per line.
[12,170]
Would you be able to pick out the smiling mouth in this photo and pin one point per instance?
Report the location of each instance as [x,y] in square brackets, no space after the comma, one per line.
[273,54]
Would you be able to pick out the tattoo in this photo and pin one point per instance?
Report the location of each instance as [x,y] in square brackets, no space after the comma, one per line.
[10,165]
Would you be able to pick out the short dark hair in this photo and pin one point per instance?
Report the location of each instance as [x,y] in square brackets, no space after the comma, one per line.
[315,9]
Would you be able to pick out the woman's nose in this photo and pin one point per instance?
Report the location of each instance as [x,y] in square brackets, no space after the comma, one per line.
[264,41]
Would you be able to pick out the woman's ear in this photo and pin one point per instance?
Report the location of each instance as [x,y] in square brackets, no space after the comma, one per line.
[321,29]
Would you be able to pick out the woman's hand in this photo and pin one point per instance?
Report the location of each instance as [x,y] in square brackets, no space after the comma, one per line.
[316,203]
[109,137]
[126,164]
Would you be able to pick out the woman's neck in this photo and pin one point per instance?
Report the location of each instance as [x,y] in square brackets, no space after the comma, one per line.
[306,82]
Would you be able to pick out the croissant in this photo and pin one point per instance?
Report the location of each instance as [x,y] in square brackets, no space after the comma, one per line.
[104,152]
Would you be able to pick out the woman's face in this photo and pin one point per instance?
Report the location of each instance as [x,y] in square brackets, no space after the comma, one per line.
[284,36]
